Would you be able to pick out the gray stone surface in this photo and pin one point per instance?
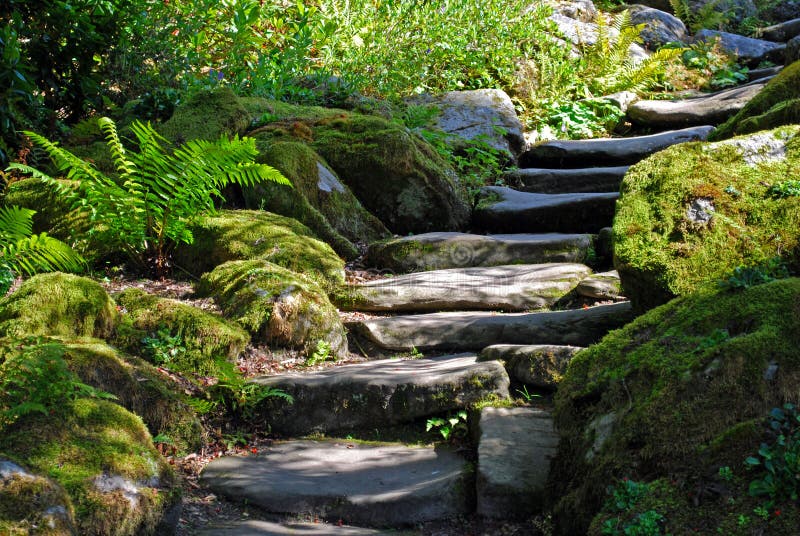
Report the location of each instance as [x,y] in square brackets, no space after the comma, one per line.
[606,151]
[580,10]
[747,50]
[558,181]
[793,50]
[254,527]
[711,109]
[521,287]
[432,251]
[781,32]
[766,72]
[514,453]
[388,485]
[473,331]
[540,365]
[660,27]
[378,393]
[503,210]
[602,286]
[585,33]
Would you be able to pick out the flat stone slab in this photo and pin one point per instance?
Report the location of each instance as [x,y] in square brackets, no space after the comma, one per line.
[473,331]
[602,286]
[539,365]
[433,251]
[377,393]
[606,151]
[746,50]
[781,32]
[504,210]
[389,485]
[514,451]
[254,527]
[559,181]
[711,109]
[522,287]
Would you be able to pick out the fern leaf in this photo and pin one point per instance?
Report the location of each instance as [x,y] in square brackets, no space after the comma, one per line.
[15,223]
[124,166]
[40,253]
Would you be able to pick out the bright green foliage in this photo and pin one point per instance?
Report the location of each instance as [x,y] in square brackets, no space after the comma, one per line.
[748,276]
[149,207]
[780,459]
[451,427]
[709,15]
[623,499]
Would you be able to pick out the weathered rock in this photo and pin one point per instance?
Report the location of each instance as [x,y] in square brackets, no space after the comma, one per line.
[580,10]
[252,527]
[660,27]
[604,246]
[503,210]
[603,286]
[785,10]
[507,288]
[747,50]
[434,251]
[485,114]
[792,50]
[388,485]
[474,331]
[781,32]
[558,181]
[733,11]
[378,393]
[28,500]
[667,244]
[585,34]
[707,110]
[514,450]
[539,365]
[56,304]
[766,73]
[274,305]
[207,115]
[651,403]
[606,152]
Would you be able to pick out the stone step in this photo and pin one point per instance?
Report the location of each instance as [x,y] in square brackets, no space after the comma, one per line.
[781,32]
[379,393]
[606,151]
[474,331]
[538,365]
[515,447]
[434,251]
[387,485]
[711,109]
[522,287]
[602,286]
[253,527]
[771,72]
[562,181]
[503,210]
[747,51]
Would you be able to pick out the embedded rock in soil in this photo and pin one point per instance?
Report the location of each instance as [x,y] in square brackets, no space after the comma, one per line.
[377,393]
[539,365]
[781,32]
[747,50]
[207,115]
[660,27]
[28,500]
[602,286]
[561,181]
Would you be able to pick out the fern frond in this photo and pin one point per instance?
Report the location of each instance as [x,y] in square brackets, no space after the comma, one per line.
[16,223]
[40,253]
[124,166]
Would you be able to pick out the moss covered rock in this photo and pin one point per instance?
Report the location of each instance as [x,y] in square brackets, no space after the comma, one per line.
[692,213]
[204,336]
[672,397]
[102,456]
[250,234]
[276,306]
[207,115]
[775,105]
[58,305]
[32,504]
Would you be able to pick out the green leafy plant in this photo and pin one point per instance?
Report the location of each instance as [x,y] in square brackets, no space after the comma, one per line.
[527,395]
[582,119]
[622,501]
[321,353]
[237,395]
[787,188]
[744,277]
[450,427]
[778,460]
[163,347]
[709,15]
[148,208]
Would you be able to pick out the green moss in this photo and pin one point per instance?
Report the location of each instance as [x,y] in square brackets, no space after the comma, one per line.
[58,305]
[205,336]
[282,111]
[275,305]
[784,87]
[684,398]
[28,505]
[248,234]
[207,116]
[660,253]
[87,439]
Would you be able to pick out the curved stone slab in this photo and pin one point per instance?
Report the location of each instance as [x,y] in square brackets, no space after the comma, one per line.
[560,181]
[253,527]
[377,393]
[606,151]
[781,32]
[507,288]
[602,286]
[434,251]
[503,210]
[466,331]
[539,365]
[746,50]
[389,485]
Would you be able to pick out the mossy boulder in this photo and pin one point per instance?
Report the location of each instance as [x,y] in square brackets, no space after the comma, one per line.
[276,306]
[250,234]
[58,305]
[51,209]
[318,194]
[140,388]
[32,504]
[692,213]
[204,336]
[670,398]
[207,115]
[116,482]
[776,105]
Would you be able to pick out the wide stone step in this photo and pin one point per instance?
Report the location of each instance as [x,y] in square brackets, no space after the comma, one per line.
[505,288]
[538,365]
[503,210]
[388,485]
[710,109]
[602,286]
[606,151]
[252,527]
[378,393]
[434,251]
[560,181]
[515,447]
[473,331]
